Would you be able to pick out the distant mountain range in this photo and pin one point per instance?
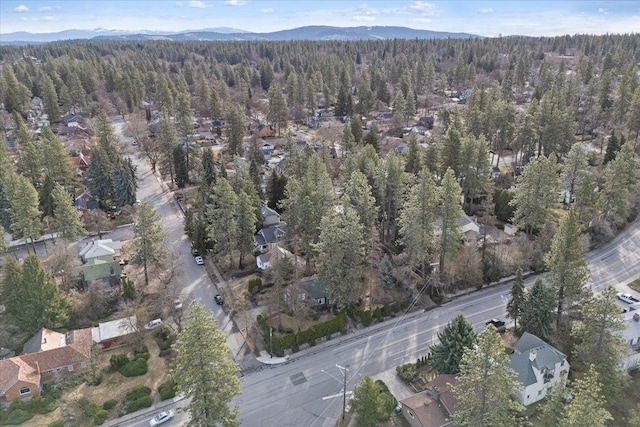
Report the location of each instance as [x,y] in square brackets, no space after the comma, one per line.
[319,32]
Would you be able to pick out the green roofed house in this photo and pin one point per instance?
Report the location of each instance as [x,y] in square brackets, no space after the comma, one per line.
[96,268]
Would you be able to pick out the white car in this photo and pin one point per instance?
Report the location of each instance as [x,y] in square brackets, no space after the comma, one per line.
[161,418]
[177,304]
[199,260]
[628,298]
[153,324]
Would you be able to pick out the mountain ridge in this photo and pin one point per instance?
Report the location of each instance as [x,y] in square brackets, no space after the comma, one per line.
[311,32]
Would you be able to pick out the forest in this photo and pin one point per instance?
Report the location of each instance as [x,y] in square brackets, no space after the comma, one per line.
[426,167]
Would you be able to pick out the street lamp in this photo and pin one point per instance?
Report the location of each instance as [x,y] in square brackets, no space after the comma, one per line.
[271,342]
[344,371]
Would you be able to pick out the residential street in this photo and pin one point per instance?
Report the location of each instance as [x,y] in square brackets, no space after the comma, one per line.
[307,390]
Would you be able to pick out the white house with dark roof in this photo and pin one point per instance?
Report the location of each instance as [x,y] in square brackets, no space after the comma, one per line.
[105,249]
[268,237]
[539,367]
[631,335]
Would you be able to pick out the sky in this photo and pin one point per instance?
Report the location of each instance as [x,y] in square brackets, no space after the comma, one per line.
[484,18]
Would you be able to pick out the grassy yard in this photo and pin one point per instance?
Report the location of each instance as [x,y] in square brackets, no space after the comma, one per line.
[635,285]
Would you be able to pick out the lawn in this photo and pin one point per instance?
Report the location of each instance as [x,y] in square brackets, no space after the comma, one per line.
[635,285]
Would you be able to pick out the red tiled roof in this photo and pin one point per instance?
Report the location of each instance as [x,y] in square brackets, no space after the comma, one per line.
[15,369]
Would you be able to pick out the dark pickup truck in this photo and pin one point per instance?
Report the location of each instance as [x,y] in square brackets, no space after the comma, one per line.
[498,324]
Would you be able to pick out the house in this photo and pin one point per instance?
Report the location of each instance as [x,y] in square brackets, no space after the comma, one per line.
[314,291]
[539,367]
[267,237]
[73,120]
[495,172]
[110,334]
[266,131]
[427,122]
[68,355]
[80,162]
[468,226]
[264,261]
[105,249]
[631,335]
[96,268]
[433,407]
[267,149]
[18,381]
[86,202]
[269,216]
[402,148]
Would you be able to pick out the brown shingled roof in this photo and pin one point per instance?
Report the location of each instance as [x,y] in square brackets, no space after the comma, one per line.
[78,349]
[15,369]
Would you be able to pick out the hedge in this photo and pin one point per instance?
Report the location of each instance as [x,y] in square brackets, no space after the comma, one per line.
[279,343]
[117,361]
[17,416]
[366,317]
[164,338]
[134,368]
[109,404]
[137,392]
[167,390]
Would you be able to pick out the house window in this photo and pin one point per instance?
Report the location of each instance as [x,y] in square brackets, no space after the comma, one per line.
[25,390]
[58,369]
[562,363]
[70,368]
[539,392]
[410,414]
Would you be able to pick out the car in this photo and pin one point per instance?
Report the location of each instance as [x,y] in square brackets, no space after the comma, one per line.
[194,252]
[161,418]
[177,304]
[155,323]
[219,299]
[498,324]
[628,298]
[199,260]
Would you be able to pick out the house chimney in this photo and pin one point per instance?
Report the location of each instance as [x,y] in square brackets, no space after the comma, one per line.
[37,367]
[44,340]
[532,355]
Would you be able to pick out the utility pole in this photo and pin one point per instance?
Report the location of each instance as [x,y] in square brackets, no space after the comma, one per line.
[344,371]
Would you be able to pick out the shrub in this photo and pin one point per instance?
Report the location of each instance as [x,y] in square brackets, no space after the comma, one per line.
[134,368]
[254,285]
[117,361]
[137,392]
[407,373]
[164,338]
[167,390]
[100,417]
[109,404]
[143,352]
[18,416]
[57,423]
[143,402]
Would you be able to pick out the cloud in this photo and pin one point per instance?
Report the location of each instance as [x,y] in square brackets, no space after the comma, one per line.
[198,4]
[21,9]
[48,9]
[603,11]
[427,9]
[24,18]
[422,20]
[486,11]
[267,10]
[368,18]
[179,4]
[236,2]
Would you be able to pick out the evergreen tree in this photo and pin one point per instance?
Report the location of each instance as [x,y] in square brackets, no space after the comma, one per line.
[125,183]
[99,175]
[341,255]
[536,194]
[619,181]
[237,128]
[180,166]
[148,240]
[358,196]
[413,156]
[515,306]
[50,99]
[613,146]
[246,226]
[454,340]
[567,266]
[277,107]
[276,184]
[600,342]
[587,408]
[221,216]
[208,167]
[370,403]
[485,386]
[203,371]
[538,310]
[574,169]
[57,162]
[449,212]
[23,209]
[32,296]
[65,216]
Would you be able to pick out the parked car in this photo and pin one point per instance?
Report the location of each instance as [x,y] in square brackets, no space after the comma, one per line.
[161,418]
[177,304]
[628,298]
[194,252]
[199,260]
[155,323]
[219,299]
[498,324]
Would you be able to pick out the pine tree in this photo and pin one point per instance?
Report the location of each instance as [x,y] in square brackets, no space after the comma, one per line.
[23,209]
[148,241]
[587,408]
[485,386]
[125,183]
[567,266]
[50,99]
[208,167]
[454,340]
[65,216]
[180,166]
[413,156]
[619,181]
[236,131]
[246,226]
[600,343]
[449,212]
[574,169]
[32,296]
[358,196]
[58,163]
[203,371]
[538,310]
[515,306]
[221,216]
[341,255]
[369,403]
[276,184]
